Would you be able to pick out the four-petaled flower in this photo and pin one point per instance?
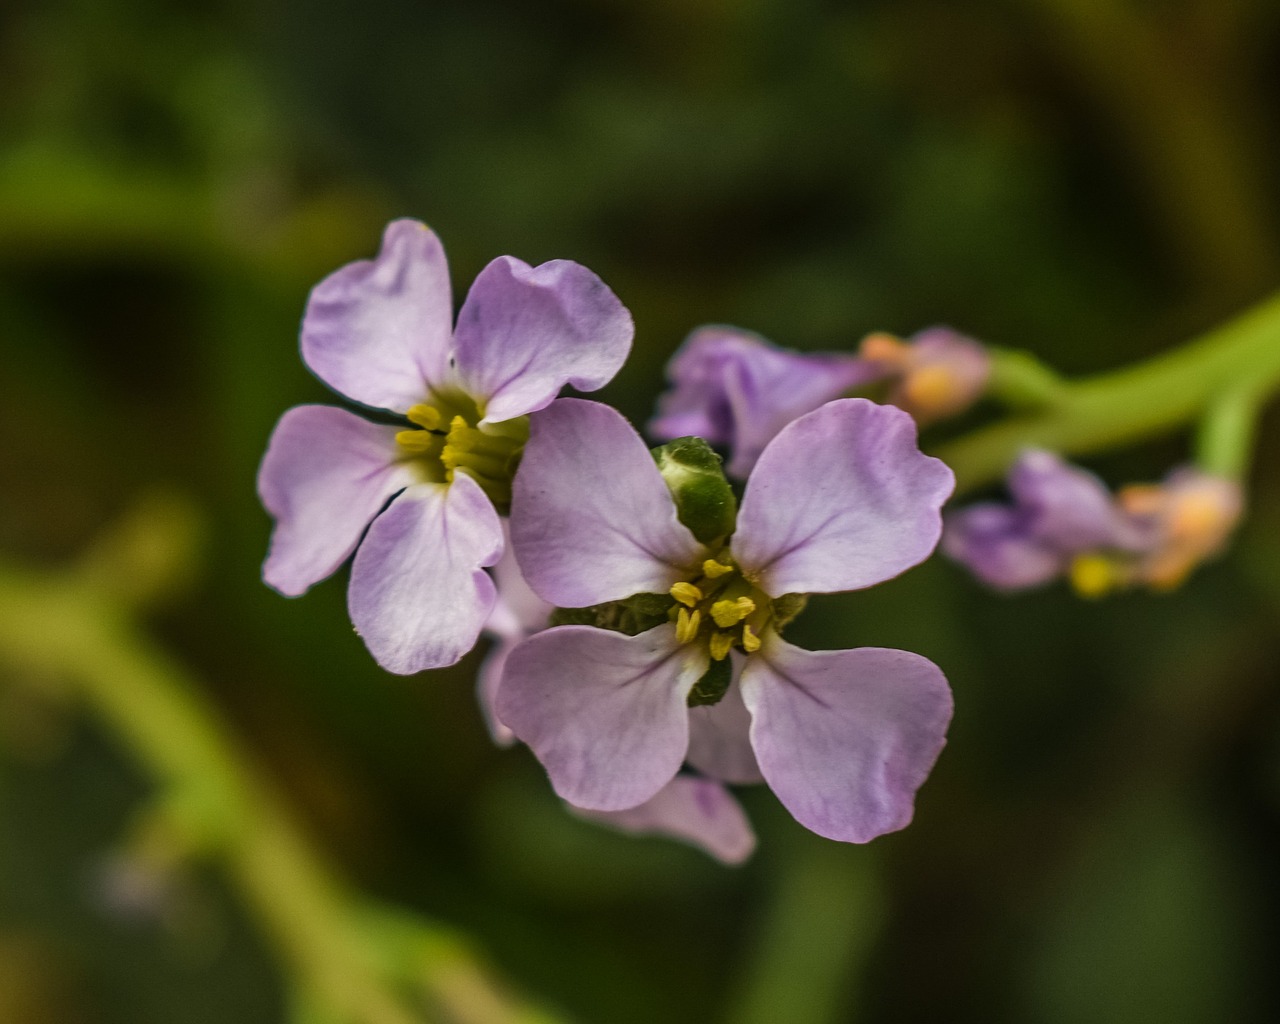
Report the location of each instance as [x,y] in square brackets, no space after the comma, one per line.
[380,332]
[841,499]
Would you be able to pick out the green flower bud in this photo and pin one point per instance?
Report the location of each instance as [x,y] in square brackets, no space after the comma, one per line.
[703,497]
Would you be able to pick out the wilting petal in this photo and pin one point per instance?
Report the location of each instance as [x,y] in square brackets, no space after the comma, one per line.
[604,712]
[720,741]
[591,518]
[379,331]
[325,475]
[845,738]
[735,389]
[695,810]
[841,499]
[419,594]
[524,332]
[995,543]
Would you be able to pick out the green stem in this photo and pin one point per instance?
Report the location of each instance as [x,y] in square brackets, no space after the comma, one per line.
[1126,405]
[1224,442]
[69,628]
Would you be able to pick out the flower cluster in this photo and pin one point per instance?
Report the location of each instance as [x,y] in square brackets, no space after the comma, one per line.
[636,598]
[736,390]
[1064,522]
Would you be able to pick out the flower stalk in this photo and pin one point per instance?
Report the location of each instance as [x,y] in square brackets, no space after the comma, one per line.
[1151,398]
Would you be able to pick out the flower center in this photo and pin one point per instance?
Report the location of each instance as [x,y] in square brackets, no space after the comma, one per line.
[447,440]
[719,607]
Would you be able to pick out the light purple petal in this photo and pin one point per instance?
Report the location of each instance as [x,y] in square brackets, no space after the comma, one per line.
[524,332]
[591,518]
[325,475]
[698,811]
[419,594]
[735,389]
[1066,506]
[845,738]
[841,499]
[487,684]
[518,611]
[379,331]
[719,738]
[995,543]
[604,712]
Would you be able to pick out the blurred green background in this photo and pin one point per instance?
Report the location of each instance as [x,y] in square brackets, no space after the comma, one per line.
[1093,180]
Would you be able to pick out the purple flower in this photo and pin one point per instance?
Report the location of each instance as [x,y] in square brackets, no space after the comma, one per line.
[936,374]
[1059,513]
[380,332]
[841,499]
[736,390]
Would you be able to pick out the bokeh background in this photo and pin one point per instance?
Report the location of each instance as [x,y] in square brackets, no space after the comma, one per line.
[1093,180]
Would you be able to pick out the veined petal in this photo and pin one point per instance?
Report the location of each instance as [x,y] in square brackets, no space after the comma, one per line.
[591,518]
[379,331]
[604,712]
[733,388]
[524,332]
[845,738]
[719,738]
[697,811]
[325,475]
[841,499]
[419,594]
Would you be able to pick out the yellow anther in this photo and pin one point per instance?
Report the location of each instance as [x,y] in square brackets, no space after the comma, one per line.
[721,644]
[712,569]
[750,642]
[415,441]
[686,593]
[687,623]
[1094,576]
[426,416]
[730,613]
[461,434]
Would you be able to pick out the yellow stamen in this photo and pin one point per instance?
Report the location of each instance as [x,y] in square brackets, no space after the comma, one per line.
[712,569]
[686,593]
[750,642]
[730,613]
[687,623]
[1094,576]
[721,644]
[426,416]
[416,441]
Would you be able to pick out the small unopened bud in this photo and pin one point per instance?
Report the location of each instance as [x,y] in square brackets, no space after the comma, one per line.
[693,474]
